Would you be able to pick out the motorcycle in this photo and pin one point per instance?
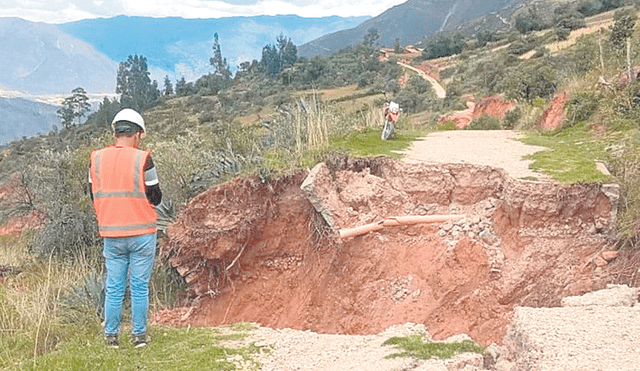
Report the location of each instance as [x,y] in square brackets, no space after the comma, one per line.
[391,113]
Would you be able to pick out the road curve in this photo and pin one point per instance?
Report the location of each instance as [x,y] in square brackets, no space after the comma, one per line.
[440,92]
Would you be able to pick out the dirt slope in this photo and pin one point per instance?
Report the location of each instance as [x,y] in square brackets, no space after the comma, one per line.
[260,252]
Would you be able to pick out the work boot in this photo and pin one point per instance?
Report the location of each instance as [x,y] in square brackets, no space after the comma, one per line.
[111,341]
[139,341]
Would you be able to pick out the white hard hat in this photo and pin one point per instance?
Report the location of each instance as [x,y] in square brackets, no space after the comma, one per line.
[131,116]
[394,107]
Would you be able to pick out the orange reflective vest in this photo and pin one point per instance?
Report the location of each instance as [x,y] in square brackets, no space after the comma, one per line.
[119,199]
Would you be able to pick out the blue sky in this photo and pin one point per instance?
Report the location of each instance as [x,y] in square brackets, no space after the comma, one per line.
[61,11]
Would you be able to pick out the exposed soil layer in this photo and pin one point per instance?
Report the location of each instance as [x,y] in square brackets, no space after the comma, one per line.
[13,195]
[263,252]
[495,106]
[553,116]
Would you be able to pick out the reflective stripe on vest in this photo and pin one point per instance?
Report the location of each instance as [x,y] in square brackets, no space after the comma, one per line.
[119,197]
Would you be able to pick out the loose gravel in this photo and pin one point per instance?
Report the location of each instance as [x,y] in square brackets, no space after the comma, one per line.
[305,350]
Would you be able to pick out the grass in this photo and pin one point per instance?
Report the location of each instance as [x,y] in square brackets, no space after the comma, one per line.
[368,143]
[414,346]
[186,348]
[571,155]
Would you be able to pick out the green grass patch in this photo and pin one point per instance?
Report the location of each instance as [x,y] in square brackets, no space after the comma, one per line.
[368,143]
[194,348]
[571,155]
[414,346]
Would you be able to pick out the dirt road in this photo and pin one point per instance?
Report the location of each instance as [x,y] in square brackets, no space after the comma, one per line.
[440,91]
[495,148]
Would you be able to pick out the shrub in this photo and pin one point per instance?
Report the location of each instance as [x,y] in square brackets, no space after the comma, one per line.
[580,107]
[512,117]
[525,44]
[58,181]
[485,122]
[561,33]
[447,125]
[626,167]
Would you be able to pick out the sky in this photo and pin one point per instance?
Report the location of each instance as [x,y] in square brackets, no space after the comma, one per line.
[62,11]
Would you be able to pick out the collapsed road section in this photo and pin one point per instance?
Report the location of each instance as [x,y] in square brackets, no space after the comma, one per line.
[270,251]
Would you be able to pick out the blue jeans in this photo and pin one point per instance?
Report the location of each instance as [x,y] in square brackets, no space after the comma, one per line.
[128,258]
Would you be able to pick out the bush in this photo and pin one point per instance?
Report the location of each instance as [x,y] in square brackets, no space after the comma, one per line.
[512,117]
[485,122]
[522,46]
[626,168]
[561,33]
[444,45]
[580,107]
[447,125]
[58,181]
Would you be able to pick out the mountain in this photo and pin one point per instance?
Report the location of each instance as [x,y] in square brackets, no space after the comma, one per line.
[180,47]
[411,22]
[22,117]
[39,58]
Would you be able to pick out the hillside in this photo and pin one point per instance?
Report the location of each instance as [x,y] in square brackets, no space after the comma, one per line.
[39,58]
[411,22]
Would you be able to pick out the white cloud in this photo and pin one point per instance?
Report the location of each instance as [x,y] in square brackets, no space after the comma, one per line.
[60,11]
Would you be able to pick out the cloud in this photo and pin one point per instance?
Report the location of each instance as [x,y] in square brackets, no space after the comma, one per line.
[61,11]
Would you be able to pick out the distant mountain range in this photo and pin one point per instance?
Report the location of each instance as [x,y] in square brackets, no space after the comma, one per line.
[40,58]
[22,117]
[410,22]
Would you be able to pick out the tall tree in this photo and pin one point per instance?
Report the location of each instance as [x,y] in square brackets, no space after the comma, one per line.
[397,48]
[371,38]
[168,87]
[181,87]
[134,84]
[220,65]
[624,22]
[75,106]
[287,51]
[106,112]
[270,61]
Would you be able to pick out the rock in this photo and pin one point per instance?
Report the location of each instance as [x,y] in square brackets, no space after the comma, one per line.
[600,262]
[466,361]
[487,237]
[309,189]
[610,255]
[504,365]
[492,354]
[614,296]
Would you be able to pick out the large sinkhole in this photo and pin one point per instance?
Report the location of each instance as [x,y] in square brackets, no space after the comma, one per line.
[269,251]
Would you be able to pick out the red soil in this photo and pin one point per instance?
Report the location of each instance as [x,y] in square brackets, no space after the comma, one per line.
[553,116]
[495,106]
[259,251]
[12,194]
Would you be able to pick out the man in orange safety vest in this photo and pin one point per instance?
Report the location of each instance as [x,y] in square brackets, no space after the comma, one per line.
[124,189]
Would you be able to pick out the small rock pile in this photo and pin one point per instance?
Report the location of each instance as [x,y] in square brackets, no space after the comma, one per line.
[477,225]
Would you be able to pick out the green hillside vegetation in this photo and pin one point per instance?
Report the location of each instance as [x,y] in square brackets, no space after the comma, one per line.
[284,113]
